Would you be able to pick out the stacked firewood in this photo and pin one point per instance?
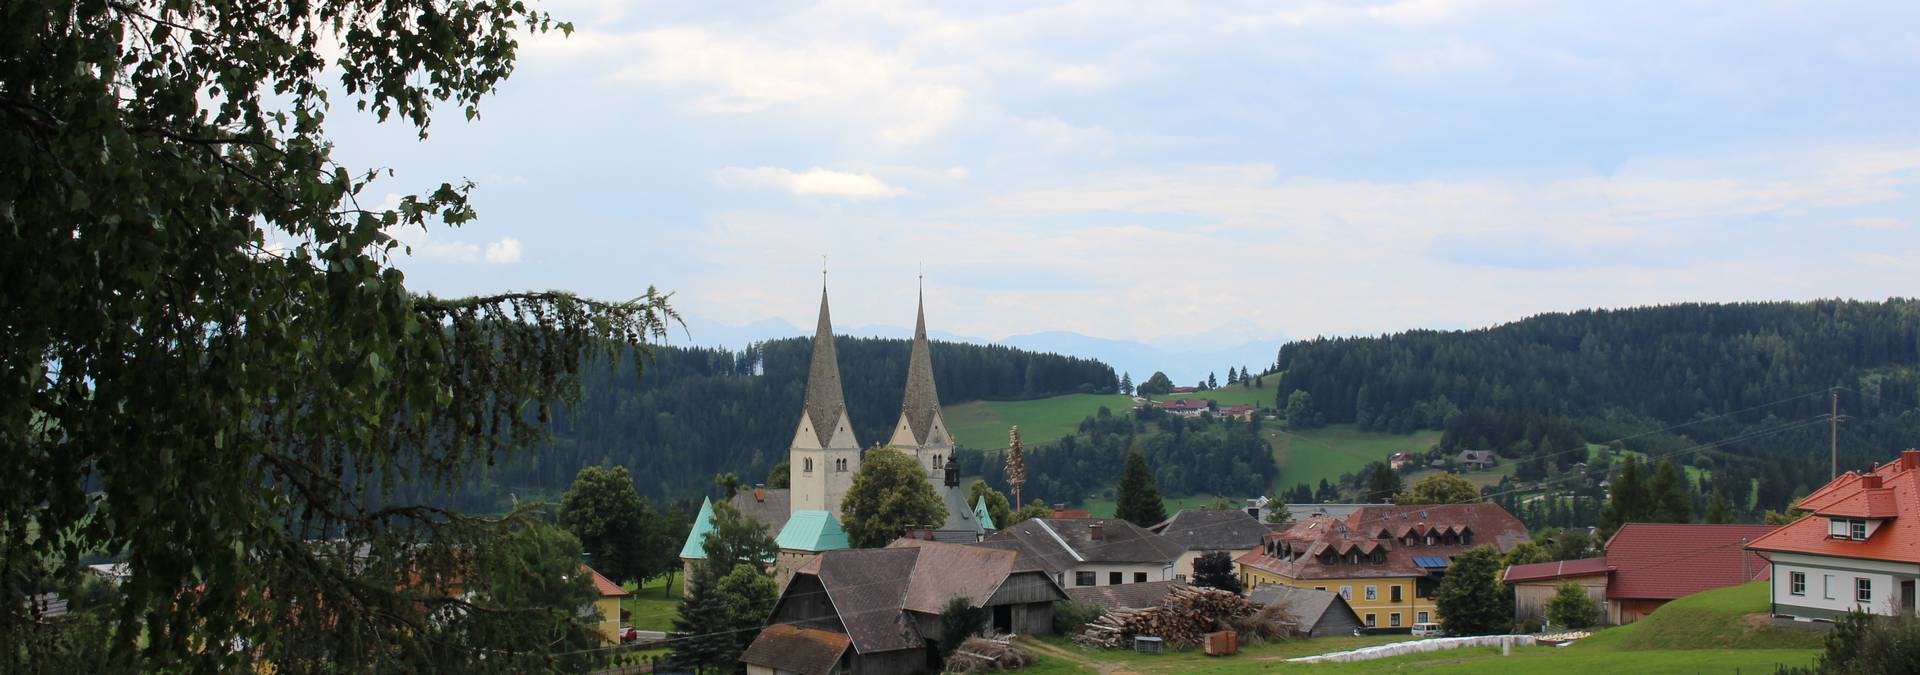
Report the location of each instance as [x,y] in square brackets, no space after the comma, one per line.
[1183,617]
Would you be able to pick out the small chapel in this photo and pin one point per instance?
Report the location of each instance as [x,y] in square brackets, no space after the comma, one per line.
[824,455]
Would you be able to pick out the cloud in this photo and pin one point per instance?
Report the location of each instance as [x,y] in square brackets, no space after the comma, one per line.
[1879,223]
[1083,77]
[504,252]
[812,182]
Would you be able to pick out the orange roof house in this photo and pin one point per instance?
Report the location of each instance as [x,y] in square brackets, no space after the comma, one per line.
[1858,548]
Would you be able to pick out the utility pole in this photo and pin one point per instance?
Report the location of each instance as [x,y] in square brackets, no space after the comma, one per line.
[1833,436]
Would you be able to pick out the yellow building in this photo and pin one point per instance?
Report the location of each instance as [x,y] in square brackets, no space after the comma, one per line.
[606,608]
[1385,561]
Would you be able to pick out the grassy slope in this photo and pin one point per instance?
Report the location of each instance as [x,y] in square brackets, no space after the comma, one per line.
[1336,449]
[652,609]
[1104,506]
[1708,632]
[983,424]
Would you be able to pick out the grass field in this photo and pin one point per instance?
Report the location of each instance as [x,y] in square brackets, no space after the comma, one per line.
[1336,449]
[1232,395]
[1712,632]
[652,609]
[1104,506]
[983,424]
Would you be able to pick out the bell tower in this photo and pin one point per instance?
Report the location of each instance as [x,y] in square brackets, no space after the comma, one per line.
[921,432]
[824,454]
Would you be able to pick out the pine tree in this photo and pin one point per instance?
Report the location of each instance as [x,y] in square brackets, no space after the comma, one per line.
[1382,483]
[1628,501]
[1215,570]
[1212,383]
[1718,512]
[704,618]
[1668,498]
[1139,498]
[1126,383]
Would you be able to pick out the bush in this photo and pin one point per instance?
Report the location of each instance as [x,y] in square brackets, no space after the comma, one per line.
[1571,608]
[1069,616]
[1867,644]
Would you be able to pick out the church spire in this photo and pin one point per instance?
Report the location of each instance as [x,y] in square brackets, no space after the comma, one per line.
[922,402]
[824,400]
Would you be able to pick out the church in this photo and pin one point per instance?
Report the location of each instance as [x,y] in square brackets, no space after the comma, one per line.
[824,455]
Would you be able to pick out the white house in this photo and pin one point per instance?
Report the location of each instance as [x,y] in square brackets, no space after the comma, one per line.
[1859,548]
[1081,552]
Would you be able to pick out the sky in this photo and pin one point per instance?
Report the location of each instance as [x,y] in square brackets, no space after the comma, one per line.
[1145,172]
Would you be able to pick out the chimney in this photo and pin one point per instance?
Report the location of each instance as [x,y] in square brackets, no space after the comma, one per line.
[1870,481]
[760,492]
[1095,528]
[1910,460]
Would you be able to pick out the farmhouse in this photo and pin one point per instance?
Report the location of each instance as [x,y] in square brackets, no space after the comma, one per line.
[1646,565]
[1081,552]
[1857,549]
[1478,459]
[1316,613]
[1398,459]
[1242,412]
[1386,561]
[886,603]
[1202,531]
[1186,407]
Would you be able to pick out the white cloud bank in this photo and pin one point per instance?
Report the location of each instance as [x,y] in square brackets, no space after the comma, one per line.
[813,182]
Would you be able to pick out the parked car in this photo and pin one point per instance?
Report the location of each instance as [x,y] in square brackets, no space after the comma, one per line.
[629,635]
[1428,629]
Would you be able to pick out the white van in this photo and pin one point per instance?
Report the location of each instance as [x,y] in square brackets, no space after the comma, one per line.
[1428,629]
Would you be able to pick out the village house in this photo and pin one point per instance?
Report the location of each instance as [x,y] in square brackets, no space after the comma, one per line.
[1091,551]
[605,610]
[1202,531]
[1186,407]
[1315,613]
[878,610]
[1645,566]
[1857,549]
[1386,561]
[1399,459]
[1242,413]
[1482,460]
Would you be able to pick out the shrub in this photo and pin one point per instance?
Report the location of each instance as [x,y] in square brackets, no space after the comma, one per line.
[1069,616]
[1571,608]
[1866,644]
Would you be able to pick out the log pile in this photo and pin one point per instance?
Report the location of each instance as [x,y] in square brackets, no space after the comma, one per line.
[1183,618]
[988,654]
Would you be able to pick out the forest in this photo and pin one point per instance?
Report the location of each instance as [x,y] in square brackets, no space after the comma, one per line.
[1741,390]
[697,412]
[1189,456]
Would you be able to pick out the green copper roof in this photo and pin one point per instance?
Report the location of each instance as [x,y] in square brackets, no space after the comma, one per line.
[810,530]
[980,514]
[702,524]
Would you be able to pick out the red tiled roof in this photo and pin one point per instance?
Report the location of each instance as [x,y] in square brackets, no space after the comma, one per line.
[607,588]
[1663,561]
[1556,570]
[1309,538]
[1897,492]
[1184,404]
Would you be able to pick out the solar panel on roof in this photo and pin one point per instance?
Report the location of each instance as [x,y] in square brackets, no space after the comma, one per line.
[1430,561]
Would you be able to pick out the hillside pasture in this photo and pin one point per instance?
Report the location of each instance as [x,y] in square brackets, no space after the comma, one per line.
[1329,452]
[984,424]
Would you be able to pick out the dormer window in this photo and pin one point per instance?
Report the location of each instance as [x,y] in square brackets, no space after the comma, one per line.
[1847,528]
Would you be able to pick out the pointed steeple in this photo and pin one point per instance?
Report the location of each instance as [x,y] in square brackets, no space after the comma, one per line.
[922,402]
[824,400]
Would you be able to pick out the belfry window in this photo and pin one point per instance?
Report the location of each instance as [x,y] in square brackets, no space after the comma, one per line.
[806,466]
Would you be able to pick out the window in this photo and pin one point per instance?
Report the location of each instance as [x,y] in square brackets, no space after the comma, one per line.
[1393,592]
[1420,617]
[1837,528]
[1826,586]
[1409,541]
[1863,590]
[1373,592]
[1346,592]
[936,462]
[1114,578]
[1797,583]
[1141,578]
[1393,619]
[1859,529]
[1429,540]
[1370,622]
[1083,579]
[806,466]
[1320,588]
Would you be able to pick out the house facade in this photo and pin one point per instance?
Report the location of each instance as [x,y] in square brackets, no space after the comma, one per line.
[1203,531]
[1857,549]
[605,611]
[1385,561]
[887,602]
[1079,552]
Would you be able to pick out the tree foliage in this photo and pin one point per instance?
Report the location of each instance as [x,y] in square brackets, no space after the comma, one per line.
[959,620]
[214,370]
[1277,513]
[1671,502]
[1138,499]
[1470,598]
[1382,483]
[1868,644]
[998,508]
[624,538]
[1571,608]
[890,493]
[1189,456]
[1157,384]
[1215,570]
[1440,488]
[1526,553]
[736,540]
[1038,508]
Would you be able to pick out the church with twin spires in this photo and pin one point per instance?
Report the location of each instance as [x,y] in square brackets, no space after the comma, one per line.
[825,454]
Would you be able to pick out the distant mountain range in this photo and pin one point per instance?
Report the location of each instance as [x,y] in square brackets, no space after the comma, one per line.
[1185,359]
